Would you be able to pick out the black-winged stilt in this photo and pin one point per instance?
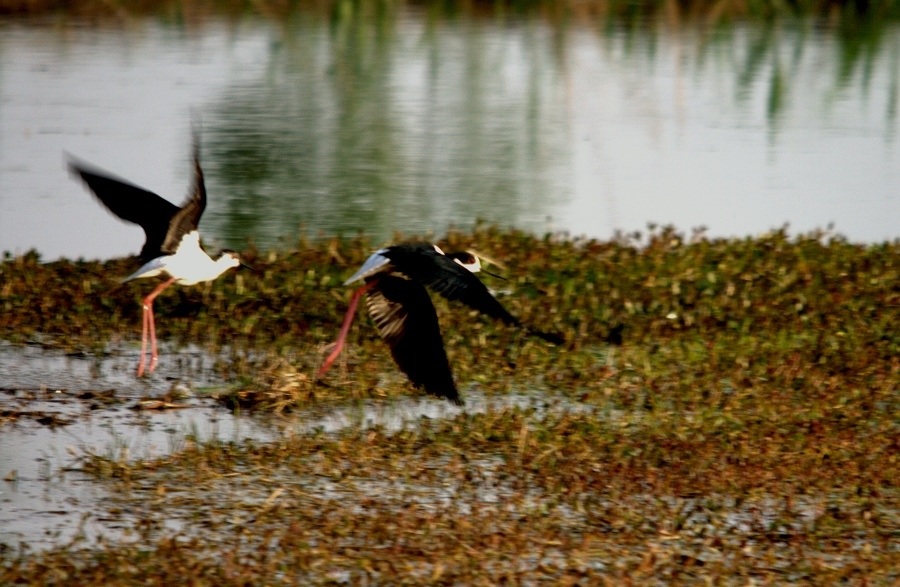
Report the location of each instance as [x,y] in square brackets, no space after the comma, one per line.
[173,242]
[395,281]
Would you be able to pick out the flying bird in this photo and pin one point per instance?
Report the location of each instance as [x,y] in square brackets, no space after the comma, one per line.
[395,281]
[173,240]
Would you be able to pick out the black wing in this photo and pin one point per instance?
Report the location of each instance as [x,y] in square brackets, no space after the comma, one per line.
[422,263]
[187,219]
[442,274]
[408,323]
[131,203]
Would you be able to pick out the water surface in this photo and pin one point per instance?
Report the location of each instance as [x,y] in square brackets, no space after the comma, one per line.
[412,124]
[57,409]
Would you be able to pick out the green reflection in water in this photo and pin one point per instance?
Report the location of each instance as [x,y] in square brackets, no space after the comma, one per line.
[379,119]
[354,127]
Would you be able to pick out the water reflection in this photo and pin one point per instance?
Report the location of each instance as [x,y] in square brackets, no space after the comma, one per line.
[412,123]
[406,128]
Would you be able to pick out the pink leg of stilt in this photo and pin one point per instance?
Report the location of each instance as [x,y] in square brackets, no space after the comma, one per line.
[150,325]
[345,328]
[154,356]
[145,322]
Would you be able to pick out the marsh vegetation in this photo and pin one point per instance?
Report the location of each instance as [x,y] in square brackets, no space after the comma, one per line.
[724,410]
[744,429]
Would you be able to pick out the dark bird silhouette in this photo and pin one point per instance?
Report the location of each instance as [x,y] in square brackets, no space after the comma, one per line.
[173,241]
[396,279]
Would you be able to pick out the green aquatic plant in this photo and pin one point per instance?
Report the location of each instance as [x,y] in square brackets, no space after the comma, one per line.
[724,411]
[743,306]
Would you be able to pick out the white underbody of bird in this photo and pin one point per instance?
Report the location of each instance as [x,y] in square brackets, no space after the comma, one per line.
[189,265]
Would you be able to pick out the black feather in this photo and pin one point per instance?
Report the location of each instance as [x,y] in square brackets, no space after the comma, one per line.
[408,323]
[164,223]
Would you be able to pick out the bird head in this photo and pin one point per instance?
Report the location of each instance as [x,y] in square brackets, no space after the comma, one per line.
[233,259]
[473,262]
[467,259]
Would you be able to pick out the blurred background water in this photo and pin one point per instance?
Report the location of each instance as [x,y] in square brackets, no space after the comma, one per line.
[382,117]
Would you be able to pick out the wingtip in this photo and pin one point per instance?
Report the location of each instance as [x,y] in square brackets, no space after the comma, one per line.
[197,191]
[551,337]
[81,169]
[74,165]
[195,140]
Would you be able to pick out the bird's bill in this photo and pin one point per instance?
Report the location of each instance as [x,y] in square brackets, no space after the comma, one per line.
[237,257]
[483,270]
[372,265]
[484,260]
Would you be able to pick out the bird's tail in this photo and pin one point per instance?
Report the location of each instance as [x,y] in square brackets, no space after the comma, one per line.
[149,269]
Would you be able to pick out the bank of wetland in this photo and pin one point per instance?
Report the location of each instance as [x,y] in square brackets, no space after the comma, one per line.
[723,411]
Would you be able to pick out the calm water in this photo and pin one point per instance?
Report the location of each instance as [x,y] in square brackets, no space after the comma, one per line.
[411,125]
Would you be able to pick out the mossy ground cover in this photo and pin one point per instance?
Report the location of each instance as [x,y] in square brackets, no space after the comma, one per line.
[745,429]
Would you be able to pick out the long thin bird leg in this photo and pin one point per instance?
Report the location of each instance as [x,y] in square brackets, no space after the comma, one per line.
[345,328]
[154,356]
[149,324]
[145,319]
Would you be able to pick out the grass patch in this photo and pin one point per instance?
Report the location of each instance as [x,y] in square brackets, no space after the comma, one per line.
[745,430]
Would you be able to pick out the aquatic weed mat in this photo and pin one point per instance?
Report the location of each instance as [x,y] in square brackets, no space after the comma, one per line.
[501,496]
[745,428]
[738,309]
